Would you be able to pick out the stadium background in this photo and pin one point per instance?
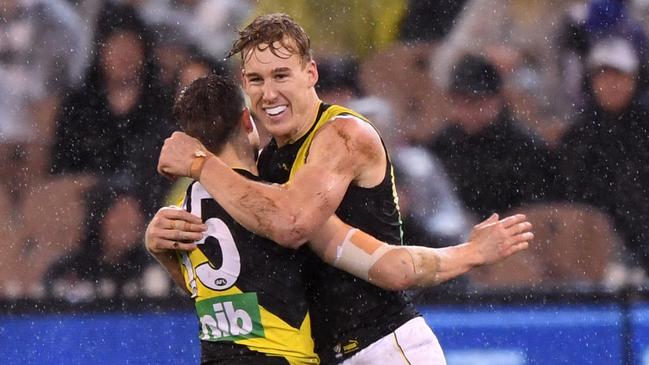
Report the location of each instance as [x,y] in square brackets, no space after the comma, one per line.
[578,296]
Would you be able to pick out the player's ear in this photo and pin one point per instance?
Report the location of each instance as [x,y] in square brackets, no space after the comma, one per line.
[312,73]
[246,121]
[250,128]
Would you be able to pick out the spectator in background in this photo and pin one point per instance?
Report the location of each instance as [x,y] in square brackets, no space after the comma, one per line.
[40,54]
[179,60]
[613,18]
[113,124]
[520,38]
[196,65]
[41,51]
[209,24]
[494,164]
[586,24]
[171,49]
[604,159]
[110,260]
[430,210]
[338,80]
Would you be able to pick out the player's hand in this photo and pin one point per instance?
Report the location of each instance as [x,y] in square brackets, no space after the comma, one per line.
[177,154]
[173,228]
[494,240]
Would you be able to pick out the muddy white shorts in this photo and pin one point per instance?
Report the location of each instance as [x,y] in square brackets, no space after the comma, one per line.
[414,343]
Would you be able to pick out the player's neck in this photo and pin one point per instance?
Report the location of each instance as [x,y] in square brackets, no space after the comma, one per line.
[238,157]
[305,126]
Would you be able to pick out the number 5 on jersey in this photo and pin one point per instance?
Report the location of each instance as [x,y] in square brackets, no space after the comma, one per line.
[223,267]
[218,238]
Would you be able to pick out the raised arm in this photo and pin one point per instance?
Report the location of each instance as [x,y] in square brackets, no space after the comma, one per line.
[403,267]
[343,151]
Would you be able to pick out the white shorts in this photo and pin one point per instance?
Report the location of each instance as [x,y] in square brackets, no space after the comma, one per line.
[414,343]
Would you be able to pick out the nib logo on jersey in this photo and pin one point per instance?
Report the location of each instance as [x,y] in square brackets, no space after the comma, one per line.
[229,317]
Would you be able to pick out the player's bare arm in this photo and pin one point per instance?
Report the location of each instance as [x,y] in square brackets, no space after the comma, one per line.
[387,266]
[404,267]
[343,151]
[173,229]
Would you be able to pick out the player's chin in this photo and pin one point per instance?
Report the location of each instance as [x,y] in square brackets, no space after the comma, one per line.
[280,128]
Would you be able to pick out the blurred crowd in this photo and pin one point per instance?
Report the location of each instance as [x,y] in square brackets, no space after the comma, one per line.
[533,106]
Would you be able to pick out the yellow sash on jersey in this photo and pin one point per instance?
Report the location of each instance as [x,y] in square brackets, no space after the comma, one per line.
[329,114]
[279,339]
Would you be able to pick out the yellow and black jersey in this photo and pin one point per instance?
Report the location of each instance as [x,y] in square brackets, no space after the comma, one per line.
[249,292]
[347,313]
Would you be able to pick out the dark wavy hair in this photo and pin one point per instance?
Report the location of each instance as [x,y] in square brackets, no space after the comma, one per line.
[210,109]
[114,18]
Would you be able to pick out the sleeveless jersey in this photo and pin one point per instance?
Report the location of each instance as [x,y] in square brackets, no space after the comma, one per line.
[249,292]
[347,313]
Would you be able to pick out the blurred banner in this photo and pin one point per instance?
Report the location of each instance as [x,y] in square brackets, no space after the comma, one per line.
[485,335]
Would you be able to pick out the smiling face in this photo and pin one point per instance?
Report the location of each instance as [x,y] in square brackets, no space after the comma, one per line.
[280,84]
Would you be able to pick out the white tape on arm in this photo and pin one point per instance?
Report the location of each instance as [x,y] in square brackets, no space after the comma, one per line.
[357,254]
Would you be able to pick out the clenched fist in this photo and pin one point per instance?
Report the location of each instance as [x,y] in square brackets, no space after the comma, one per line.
[177,154]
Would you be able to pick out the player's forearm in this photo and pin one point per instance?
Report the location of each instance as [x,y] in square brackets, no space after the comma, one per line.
[433,266]
[406,267]
[403,267]
[387,266]
[267,210]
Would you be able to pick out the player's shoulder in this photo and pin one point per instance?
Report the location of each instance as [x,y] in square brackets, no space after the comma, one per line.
[351,130]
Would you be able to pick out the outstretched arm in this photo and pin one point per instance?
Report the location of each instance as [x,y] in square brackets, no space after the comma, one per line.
[403,267]
[387,266]
[343,150]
